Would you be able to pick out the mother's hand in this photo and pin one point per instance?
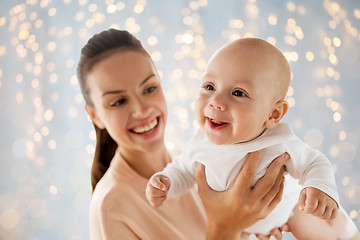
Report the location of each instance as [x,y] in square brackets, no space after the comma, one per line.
[276,233]
[230,212]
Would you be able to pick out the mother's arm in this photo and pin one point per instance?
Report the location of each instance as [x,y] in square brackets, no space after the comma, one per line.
[230,212]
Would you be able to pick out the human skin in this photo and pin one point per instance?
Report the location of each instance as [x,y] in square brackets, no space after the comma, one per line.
[238,98]
[219,225]
[128,99]
[241,95]
[129,103]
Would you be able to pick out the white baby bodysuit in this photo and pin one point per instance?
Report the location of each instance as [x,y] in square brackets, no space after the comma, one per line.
[223,162]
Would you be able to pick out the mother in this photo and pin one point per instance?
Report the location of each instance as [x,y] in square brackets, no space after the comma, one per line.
[126,104]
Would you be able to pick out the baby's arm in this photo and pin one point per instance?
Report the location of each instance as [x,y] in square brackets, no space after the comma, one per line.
[180,172]
[316,202]
[157,189]
[314,171]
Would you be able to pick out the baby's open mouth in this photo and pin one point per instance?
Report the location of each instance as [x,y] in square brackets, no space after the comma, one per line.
[148,128]
[215,123]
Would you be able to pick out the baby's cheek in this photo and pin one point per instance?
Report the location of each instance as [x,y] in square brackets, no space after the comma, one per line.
[199,115]
[201,121]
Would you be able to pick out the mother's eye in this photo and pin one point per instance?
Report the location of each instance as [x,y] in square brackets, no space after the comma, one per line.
[119,102]
[150,89]
[238,93]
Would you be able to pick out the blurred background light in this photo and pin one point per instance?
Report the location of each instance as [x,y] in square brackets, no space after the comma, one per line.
[47,141]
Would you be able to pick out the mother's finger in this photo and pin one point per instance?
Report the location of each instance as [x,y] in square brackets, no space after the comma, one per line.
[201,178]
[277,234]
[277,198]
[246,175]
[274,189]
[285,228]
[262,237]
[271,177]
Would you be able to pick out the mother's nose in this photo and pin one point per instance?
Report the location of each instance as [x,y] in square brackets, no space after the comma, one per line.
[140,109]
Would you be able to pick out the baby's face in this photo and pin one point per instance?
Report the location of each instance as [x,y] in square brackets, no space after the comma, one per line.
[236,96]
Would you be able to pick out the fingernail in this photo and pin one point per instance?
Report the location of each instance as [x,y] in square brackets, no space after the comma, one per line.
[197,165]
[286,157]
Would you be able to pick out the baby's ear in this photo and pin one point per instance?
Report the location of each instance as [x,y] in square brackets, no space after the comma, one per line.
[94,117]
[277,114]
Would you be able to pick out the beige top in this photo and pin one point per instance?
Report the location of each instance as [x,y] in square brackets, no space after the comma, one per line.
[119,209]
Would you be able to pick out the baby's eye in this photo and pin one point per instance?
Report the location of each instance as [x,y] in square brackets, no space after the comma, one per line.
[150,89]
[238,93]
[119,102]
[209,87]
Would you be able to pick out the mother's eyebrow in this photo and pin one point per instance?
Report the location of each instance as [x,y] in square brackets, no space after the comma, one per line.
[112,92]
[146,79]
[121,91]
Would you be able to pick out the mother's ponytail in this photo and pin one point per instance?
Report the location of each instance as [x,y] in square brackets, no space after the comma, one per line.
[104,153]
[97,48]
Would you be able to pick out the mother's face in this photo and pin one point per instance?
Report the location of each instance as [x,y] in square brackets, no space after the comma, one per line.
[128,100]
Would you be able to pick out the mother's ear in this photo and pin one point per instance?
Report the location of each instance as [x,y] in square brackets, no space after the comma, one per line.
[278,112]
[94,118]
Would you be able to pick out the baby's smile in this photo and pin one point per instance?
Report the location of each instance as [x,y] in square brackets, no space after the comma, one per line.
[216,124]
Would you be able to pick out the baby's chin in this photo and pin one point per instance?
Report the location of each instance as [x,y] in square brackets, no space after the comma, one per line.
[219,140]
[224,139]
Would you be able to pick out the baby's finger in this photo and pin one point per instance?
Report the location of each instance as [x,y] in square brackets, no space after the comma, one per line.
[156,183]
[319,210]
[155,192]
[302,199]
[310,204]
[327,213]
[165,181]
[334,213]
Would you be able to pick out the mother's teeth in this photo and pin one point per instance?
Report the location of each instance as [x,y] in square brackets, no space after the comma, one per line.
[147,127]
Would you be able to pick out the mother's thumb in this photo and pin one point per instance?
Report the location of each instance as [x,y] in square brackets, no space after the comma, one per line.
[200,177]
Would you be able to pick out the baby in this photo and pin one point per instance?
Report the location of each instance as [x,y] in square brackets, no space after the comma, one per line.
[239,108]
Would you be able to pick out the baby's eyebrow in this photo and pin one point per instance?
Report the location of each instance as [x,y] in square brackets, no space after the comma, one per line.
[208,75]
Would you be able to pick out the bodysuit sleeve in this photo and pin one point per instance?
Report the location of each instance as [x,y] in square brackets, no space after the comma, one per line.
[311,167]
[181,173]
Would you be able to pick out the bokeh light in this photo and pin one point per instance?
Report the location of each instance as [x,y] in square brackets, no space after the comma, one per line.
[47,141]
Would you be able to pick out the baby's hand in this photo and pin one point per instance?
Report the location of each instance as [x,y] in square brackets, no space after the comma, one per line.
[317,203]
[156,190]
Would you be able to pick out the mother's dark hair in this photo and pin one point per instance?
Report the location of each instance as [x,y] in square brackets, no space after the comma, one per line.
[97,48]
